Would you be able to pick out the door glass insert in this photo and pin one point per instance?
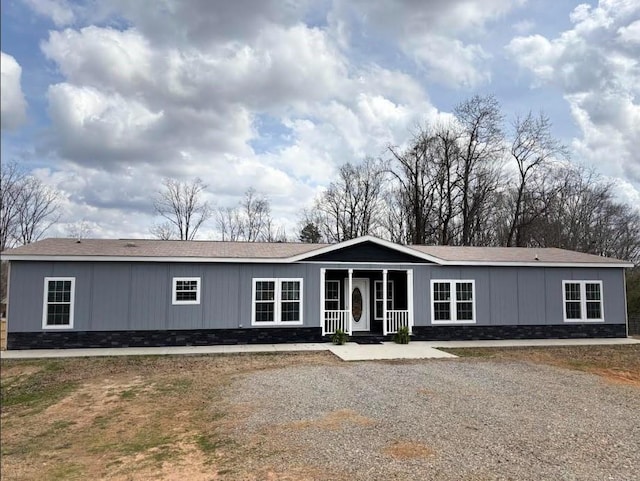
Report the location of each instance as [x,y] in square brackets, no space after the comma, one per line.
[356,304]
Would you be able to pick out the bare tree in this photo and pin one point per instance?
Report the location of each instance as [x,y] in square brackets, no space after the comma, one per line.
[250,221]
[481,150]
[181,204]
[229,223]
[256,214]
[163,231]
[412,171]
[79,230]
[11,180]
[353,204]
[532,148]
[28,207]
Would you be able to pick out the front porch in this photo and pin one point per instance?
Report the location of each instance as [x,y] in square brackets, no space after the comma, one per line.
[354,301]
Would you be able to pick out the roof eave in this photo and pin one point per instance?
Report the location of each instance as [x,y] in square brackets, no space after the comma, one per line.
[68,258]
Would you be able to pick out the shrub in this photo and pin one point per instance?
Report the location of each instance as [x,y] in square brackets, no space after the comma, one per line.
[402,336]
[340,337]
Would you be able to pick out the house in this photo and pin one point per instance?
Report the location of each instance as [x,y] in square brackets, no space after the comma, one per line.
[66,293]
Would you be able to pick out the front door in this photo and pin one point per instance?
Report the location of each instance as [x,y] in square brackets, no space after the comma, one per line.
[359,303]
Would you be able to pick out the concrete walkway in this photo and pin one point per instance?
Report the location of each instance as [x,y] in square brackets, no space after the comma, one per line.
[348,352]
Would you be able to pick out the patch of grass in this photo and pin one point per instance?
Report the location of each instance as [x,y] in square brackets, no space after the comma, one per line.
[66,471]
[177,386]
[129,394]
[36,391]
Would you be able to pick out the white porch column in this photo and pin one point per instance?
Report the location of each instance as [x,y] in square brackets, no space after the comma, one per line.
[347,301]
[322,303]
[384,302]
[410,297]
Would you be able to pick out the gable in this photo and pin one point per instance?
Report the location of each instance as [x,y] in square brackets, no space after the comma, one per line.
[365,252]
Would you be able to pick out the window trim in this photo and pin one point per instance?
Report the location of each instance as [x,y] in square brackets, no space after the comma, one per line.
[583,301]
[338,300]
[453,301]
[277,299]
[389,299]
[45,302]
[174,291]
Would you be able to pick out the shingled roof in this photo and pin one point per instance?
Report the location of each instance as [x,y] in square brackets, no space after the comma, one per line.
[162,250]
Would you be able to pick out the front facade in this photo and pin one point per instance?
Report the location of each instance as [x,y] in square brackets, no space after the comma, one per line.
[109,293]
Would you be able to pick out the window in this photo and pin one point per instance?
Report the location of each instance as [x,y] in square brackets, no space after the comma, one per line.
[332,296]
[378,297]
[582,301]
[453,302]
[277,301]
[58,298]
[186,290]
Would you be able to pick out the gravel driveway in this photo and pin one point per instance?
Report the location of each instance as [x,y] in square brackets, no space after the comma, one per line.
[440,420]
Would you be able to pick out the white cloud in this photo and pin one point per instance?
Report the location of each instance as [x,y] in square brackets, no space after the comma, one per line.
[13,105]
[442,36]
[595,64]
[59,11]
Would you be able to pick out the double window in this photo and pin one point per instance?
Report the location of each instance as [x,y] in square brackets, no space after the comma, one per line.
[453,302]
[332,296]
[186,290]
[379,296]
[582,301]
[277,301]
[59,293]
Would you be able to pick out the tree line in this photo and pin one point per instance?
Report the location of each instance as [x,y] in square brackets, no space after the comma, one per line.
[473,181]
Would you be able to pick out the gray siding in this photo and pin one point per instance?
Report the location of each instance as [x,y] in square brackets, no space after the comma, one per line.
[137,296]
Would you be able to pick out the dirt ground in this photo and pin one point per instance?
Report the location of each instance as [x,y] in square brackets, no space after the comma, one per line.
[167,417]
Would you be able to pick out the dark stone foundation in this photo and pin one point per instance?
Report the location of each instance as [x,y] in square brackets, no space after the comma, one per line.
[92,339]
[97,339]
[554,331]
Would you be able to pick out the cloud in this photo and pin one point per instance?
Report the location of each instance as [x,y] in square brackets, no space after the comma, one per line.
[13,105]
[443,37]
[59,11]
[595,64]
[131,107]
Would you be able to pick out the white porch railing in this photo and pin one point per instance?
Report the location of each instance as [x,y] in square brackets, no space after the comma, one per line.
[396,320]
[334,320]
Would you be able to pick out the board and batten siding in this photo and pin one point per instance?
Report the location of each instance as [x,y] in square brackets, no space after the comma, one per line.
[520,295]
[113,296]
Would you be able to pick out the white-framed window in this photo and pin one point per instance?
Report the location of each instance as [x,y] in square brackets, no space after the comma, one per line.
[378,297]
[332,296]
[186,290]
[277,301]
[453,301]
[583,301]
[58,302]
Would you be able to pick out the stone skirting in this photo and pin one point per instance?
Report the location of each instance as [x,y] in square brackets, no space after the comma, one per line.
[97,339]
[554,331]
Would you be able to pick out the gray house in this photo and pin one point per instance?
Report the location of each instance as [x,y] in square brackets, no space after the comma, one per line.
[104,293]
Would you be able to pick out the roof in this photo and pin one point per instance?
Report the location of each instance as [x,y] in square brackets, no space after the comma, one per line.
[512,254]
[286,252]
[162,248]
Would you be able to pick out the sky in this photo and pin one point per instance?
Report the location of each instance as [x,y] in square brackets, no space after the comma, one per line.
[101,100]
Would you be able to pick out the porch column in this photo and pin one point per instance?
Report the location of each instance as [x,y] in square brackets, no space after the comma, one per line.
[384,302]
[347,301]
[410,298]
[322,303]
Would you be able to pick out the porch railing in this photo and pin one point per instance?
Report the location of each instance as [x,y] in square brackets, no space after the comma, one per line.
[334,320]
[396,320]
